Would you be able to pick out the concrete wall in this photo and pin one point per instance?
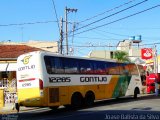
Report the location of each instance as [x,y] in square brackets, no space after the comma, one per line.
[124,45]
[135,52]
[48,46]
[103,54]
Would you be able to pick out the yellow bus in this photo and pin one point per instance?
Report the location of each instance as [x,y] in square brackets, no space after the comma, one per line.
[45,79]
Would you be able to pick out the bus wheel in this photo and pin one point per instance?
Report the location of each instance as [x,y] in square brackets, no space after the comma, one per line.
[76,100]
[68,106]
[136,92]
[54,107]
[89,98]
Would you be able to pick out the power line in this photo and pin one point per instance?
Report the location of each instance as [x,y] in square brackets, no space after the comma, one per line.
[111,15]
[125,35]
[97,38]
[118,19]
[113,33]
[56,14]
[28,23]
[107,11]
[89,46]
[135,28]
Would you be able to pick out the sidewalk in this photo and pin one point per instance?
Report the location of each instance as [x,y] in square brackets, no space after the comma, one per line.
[8,109]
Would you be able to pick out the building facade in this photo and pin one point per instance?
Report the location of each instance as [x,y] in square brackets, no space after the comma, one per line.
[129,46]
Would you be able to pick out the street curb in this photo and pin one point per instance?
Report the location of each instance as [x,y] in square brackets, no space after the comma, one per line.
[10,111]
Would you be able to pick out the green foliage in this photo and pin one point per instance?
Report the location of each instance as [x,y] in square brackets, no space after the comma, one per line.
[121,56]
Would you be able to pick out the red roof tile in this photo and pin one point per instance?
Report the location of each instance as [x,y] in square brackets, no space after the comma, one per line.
[13,51]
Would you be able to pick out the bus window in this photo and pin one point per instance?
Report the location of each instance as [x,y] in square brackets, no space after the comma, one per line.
[86,67]
[49,68]
[58,65]
[70,65]
[133,69]
[99,68]
[142,74]
[123,69]
[53,65]
[113,68]
[127,69]
[141,70]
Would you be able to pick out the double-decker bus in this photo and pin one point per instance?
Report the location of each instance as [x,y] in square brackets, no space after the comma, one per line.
[47,79]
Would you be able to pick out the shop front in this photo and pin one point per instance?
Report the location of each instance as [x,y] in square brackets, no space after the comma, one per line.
[8,81]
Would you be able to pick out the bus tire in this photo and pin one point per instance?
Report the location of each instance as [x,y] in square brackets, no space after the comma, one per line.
[54,107]
[68,106]
[136,92]
[76,100]
[89,98]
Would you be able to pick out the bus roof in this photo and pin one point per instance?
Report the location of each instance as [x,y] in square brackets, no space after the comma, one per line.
[60,55]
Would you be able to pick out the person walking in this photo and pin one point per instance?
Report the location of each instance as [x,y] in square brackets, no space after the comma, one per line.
[16,102]
[156,89]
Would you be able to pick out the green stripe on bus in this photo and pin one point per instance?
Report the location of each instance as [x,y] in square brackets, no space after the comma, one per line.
[121,86]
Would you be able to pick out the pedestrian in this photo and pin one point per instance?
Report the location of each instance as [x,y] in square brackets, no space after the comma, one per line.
[16,102]
[156,89]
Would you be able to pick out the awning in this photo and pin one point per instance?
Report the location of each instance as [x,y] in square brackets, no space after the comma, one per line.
[3,66]
[8,67]
[12,67]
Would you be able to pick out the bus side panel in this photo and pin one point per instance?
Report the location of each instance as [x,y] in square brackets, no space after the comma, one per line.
[111,86]
[64,95]
[135,82]
[28,99]
[121,86]
[102,91]
[45,96]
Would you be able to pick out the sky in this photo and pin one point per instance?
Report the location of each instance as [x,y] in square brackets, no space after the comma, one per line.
[98,23]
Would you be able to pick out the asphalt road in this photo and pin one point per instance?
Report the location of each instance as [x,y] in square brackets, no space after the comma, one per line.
[144,108]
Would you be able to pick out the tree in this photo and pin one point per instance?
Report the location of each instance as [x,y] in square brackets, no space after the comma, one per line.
[121,56]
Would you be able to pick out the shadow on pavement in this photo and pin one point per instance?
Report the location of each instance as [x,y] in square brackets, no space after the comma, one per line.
[94,114]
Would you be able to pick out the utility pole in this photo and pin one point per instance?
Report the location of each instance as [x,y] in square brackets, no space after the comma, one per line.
[156,71]
[61,35]
[72,49]
[67,10]
[155,59]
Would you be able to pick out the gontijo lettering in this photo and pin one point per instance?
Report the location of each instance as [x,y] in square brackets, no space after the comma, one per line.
[93,79]
[26,67]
